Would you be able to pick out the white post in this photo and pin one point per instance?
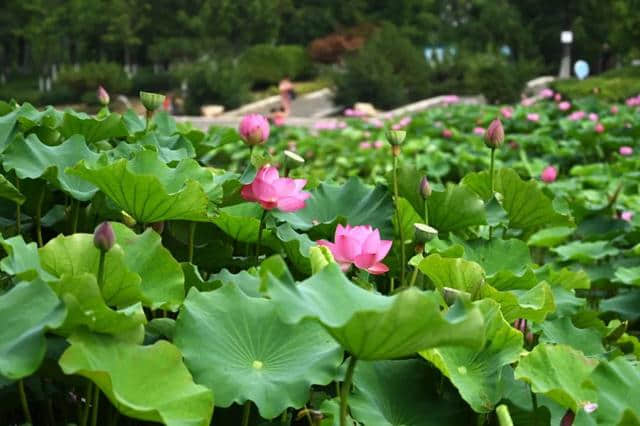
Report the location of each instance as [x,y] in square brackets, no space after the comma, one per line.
[566,37]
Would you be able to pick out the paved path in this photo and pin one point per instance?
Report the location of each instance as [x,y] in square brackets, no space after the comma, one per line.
[314,104]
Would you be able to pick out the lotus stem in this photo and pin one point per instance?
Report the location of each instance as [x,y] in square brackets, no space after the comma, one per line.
[103,254]
[534,404]
[491,183]
[259,243]
[38,218]
[96,402]
[426,212]
[413,277]
[87,399]
[75,212]
[402,248]
[148,116]
[18,210]
[192,235]
[23,401]
[504,418]
[346,389]
[246,413]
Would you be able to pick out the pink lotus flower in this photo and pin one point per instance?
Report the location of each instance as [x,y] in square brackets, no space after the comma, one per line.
[614,109]
[557,97]
[626,216]
[549,174]
[272,191]
[446,133]
[546,93]
[376,122]
[361,246]
[593,116]
[599,128]
[365,145]
[479,131]
[507,112]
[402,123]
[378,144]
[534,117]
[633,101]
[564,106]
[577,115]
[528,102]
[254,129]
[625,150]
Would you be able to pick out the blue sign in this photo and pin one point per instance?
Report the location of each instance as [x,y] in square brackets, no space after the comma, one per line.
[581,69]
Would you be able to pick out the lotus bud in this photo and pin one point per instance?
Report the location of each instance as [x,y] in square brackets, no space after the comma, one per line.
[158,226]
[254,129]
[151,101]
[127,219]
[395,138]
[103,96]
[424,233]
[425,188]
[494,136]
[567,419]
[103,237]
[529,338]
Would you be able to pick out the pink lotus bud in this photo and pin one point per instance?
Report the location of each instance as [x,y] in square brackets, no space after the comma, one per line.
[567,419]
[529,337]
[625,150]
[378,144]
[158,226]
[549,174]
[494,137]
[254,129]
[478,131]
[507,112]
[564,106]
[614,109]
[599,128]
[103,237]
[365,145]
[272,191]
[103,96]
[627,216]
[446,133]
[534,117]
[528,102]
[577,115]
[546,93]
[593,116]
[557,97]
[361,246]
[425,188]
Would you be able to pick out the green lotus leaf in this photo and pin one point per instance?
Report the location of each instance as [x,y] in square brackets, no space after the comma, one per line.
[408,217]
[133,122]
[527,207]
[162,277]
[144,382]
[567,303]
[628,276]
[562,330]
[558,371]
[32,159]
[624,304]
[618,394]
[456,208]
[455,273]
[10,192]
[397,393]
[550,237]
[508,280]
[296,246]
[497,255]
[27,311]
[86,307]
[533,304]
[371,326]
[75,254]
[7,128]
[241,222]
[170,147]
[569,279]
[93,128]
[149,190]
[23,260]
[353,201]
[237,345]
[477,373]
[245,281]
[586,251]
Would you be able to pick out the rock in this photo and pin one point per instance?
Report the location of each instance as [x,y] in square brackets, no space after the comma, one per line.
[365,108]
[211,110]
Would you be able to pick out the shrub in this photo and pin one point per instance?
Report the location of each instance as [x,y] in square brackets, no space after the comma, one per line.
[147,80]
[610,89]
[89,76]
[266,64]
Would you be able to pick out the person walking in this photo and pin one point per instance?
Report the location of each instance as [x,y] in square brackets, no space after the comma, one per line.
[286,94]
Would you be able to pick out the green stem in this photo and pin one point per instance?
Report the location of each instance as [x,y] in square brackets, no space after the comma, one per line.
[403,264]
[534,403]
[23,401]
[101,268]
[18,210]
[346,389]
[148,115]
[75,212]
[426,212]
[259,243]
[87,399]
[38,218]
[413,277]
[96,402]
[491,183]
[246,413]
[192,235]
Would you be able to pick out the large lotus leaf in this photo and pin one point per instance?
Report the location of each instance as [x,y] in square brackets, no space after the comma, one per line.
[32,159]
[497,255]
[629,276]
[86,307]
[618,393]
[248,283]
[296,246]
[170,148]
[94,129]
[162,277]
[10,192]
[22,260]
[7,128]
[455,273]
[151,191]
[75,254]
[144,382]
[562,330]
[26,312]
[241,222]
[533,304]
[398,393]
[558,371]
[586,251]
[371,326]
[353,201]
[569,279]
[508,280]
[404,220]
[477,373]
[237,346]
[456,208]
[409,186]
[550,237]
[624,304]
[526,205]
[567,303]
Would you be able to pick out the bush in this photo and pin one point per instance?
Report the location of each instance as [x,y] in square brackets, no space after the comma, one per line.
[89,76]
[215,82]
[610,89]
[145,79]
[265,64]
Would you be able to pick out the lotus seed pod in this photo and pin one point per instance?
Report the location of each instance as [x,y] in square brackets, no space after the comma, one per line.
[151,101]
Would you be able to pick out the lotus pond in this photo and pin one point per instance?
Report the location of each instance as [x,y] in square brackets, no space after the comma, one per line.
[348,274]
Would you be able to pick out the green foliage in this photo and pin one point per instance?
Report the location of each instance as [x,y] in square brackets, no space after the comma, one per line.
[89,76]
[267,64]
[614,87]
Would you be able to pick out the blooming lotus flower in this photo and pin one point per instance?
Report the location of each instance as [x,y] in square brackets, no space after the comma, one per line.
[532,116]
[528,102]
[103,96]
[272,191]
[593,116]
[361,246]
[627,216]
[599,128]
[546,93]
[549,174]
[446,133]
[479,131]
[254,129]
[577,115]
[564,106]
[614,109]
[625,150]
[507,112]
